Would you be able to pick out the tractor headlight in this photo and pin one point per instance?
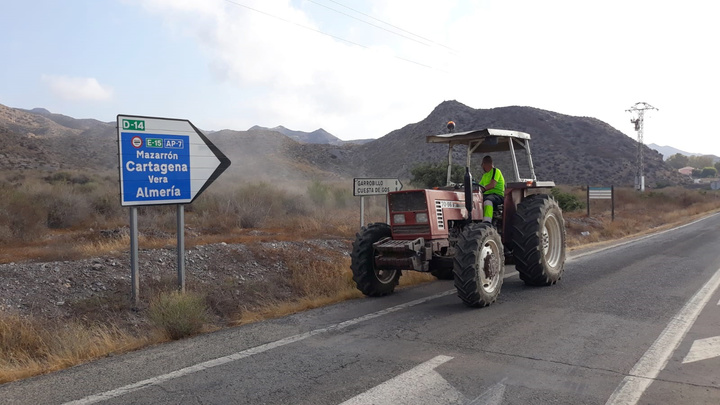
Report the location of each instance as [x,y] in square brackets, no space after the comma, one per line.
[399,218]
[421,218]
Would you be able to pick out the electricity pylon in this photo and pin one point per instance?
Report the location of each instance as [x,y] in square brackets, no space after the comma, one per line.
[639,120]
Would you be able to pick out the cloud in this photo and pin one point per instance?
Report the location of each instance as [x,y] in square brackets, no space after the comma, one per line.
[305,71]
[77,88]
[297,64]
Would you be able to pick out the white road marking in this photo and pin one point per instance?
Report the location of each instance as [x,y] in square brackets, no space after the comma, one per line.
[103,396]
[493,396]
[420,385]
[703,349]
[246,353]
[615,245]
[424,385]
[656,357]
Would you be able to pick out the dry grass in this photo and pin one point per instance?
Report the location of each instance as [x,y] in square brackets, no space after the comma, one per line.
[638,213]
[29,347]
[178,315]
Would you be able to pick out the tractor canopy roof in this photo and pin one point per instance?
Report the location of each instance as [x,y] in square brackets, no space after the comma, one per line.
[490,140]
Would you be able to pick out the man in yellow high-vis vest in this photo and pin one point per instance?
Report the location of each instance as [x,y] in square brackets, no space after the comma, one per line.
[492,185]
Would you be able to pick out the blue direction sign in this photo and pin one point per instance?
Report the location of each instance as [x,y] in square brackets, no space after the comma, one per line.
[164,161]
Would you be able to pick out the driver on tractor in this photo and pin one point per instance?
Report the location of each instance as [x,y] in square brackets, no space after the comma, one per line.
[492,185]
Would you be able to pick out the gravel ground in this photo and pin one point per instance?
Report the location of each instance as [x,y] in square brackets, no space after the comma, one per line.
[93,288]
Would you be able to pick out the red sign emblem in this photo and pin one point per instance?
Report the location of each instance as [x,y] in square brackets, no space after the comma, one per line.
[136,141]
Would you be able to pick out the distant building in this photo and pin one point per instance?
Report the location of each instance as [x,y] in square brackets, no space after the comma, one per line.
[687,170]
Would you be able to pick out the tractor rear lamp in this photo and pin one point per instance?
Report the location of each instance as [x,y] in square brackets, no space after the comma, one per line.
[421,218]
[399,218]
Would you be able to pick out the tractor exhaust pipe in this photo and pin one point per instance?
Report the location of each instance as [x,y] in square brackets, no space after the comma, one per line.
[467,181]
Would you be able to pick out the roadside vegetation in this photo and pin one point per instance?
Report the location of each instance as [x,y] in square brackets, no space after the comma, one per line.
[68,216]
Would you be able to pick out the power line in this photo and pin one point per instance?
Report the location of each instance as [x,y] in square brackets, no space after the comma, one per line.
[325,33]
[384,22]
[371,24]
[296,24]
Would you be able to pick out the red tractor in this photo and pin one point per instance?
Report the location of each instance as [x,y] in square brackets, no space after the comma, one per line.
[440,230]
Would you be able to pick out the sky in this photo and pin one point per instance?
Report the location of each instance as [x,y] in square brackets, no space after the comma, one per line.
[361,69]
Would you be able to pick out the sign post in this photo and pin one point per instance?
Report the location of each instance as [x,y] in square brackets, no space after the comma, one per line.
[163,161]
[363,187]
[602,193]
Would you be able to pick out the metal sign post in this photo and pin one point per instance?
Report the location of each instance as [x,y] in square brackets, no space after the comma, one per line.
[364,186]
[601,193]
[181,247]
[134,274]
[163,161]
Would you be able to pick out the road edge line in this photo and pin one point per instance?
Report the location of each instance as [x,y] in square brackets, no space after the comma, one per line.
[656,357]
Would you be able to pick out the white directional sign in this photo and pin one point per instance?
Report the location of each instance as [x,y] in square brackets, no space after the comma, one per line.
[375,186]
[164,161]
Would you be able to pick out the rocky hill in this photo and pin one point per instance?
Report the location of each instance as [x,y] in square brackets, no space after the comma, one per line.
[566,149]
[317,136]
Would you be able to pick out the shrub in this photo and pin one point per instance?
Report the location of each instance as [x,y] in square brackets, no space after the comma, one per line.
[178,315]
[249,206]
[66,209]
[67,178]
[709,172]
[23,215]
[318,192]
[428,175]
[567,202]
[343,197]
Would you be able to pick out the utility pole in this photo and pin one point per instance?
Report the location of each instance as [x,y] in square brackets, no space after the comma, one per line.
[639,119]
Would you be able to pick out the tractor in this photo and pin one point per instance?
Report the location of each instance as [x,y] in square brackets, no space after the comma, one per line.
[441,230]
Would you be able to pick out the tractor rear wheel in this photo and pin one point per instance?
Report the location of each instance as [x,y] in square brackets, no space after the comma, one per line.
[479,265]
[369,280]
[538,240]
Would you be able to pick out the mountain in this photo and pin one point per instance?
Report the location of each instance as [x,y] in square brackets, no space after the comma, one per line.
[668,151]
[566,149]
[34,140]
[319,136]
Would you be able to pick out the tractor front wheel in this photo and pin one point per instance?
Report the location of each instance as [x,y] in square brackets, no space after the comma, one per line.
[479,265]
[370,280]
[538,240]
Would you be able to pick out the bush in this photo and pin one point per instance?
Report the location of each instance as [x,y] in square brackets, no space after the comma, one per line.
[249,206]
[23,215]
[708,172]
[178,315]
[428,175]
[318,192]
[66,209]
[567,202]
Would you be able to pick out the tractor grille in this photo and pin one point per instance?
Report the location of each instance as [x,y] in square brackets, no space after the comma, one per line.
[411,229]
[404,202]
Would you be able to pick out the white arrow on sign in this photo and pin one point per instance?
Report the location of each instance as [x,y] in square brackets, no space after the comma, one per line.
[363,187]
[164,160]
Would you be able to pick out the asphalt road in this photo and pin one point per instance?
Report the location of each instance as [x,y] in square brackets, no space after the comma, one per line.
[637,322]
